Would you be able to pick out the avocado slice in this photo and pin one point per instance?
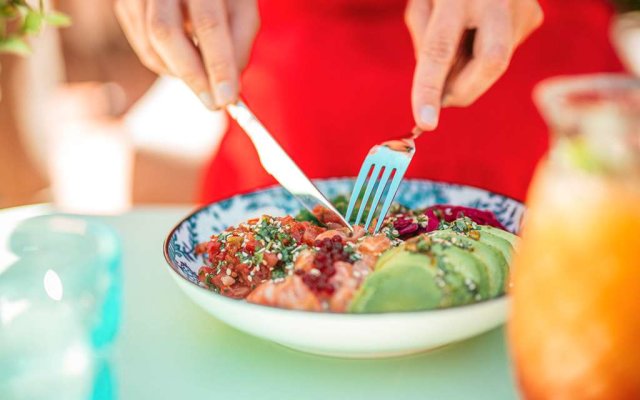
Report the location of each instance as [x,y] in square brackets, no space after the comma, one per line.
[465,226]
[476,277]
[508,236]
[499,243]
[454,290]
[387,256]
[448,279]
[492,259]
[406,283]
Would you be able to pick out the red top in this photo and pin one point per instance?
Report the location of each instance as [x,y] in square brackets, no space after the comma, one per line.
[330,78]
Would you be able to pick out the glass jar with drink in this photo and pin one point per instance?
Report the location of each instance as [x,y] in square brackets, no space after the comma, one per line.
[574,327]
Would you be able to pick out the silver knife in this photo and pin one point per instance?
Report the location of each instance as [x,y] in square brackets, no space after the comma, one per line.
[278,163]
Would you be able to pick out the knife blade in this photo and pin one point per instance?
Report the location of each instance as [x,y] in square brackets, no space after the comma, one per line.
[278,163]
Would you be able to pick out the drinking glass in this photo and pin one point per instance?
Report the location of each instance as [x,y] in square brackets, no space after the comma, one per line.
[574,325]
[60,302]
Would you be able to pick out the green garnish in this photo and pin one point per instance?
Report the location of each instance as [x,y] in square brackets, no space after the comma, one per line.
[351,252]
[461,225]
[278,273]
[305,215]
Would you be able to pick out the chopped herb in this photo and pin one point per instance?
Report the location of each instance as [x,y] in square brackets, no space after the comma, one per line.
[341,203]
[350,250]
[257,258]
[460,226]
[305,215]
[278,273]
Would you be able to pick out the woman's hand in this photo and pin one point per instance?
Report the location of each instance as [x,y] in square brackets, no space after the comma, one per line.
[462,48]
[203,42]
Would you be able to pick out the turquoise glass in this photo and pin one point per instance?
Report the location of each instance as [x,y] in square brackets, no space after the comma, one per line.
[60,306]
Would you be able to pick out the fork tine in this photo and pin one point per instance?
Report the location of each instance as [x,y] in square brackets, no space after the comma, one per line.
[357,187]
[367,192]
[383,182]
[391,194]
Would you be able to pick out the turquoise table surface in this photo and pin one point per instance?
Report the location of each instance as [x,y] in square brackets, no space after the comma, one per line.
[168,348]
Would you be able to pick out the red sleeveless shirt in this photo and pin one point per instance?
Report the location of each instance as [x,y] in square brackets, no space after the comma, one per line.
[329,78]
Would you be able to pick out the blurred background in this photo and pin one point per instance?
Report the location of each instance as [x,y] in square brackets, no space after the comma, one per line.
[118,133]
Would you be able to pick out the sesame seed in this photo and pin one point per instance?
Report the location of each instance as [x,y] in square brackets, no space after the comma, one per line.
[228,281]
[228,271]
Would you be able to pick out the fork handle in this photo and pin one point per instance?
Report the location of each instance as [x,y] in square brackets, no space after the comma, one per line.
[416,132]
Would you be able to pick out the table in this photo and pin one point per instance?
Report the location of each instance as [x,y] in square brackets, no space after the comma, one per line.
[169,348]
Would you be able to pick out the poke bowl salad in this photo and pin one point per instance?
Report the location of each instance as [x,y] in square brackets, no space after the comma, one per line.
[435,274]
[435,257]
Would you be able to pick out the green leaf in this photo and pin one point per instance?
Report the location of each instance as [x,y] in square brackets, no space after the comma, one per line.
[15,45]
[19,3]
[8,11]
[32,22]
[56,18]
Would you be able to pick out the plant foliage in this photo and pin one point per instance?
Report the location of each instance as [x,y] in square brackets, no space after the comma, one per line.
[19,19]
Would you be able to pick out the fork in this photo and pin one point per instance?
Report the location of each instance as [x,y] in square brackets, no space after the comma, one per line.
[385,161]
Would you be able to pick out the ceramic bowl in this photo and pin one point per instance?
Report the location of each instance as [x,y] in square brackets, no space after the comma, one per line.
[342,335]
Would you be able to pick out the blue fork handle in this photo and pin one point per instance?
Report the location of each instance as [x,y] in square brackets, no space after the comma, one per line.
[416,132]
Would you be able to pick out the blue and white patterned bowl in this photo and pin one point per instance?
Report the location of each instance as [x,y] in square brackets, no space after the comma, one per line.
[346,335]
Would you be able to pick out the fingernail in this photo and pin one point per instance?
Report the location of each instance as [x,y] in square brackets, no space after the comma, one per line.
[429,116]
[224,93]
[206,99]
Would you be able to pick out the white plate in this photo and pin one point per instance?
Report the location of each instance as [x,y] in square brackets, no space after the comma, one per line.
[343,335]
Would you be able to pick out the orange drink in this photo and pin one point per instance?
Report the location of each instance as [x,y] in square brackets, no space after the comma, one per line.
[574,326]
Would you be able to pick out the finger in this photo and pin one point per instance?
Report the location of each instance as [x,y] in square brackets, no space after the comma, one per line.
[129,15]
[211,27]
[416,17]
[492,51]
[532,15]
[435,58]
[462,58]
[168,37]
[244,22]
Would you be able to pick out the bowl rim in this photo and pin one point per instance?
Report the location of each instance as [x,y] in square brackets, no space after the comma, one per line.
[173,269]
